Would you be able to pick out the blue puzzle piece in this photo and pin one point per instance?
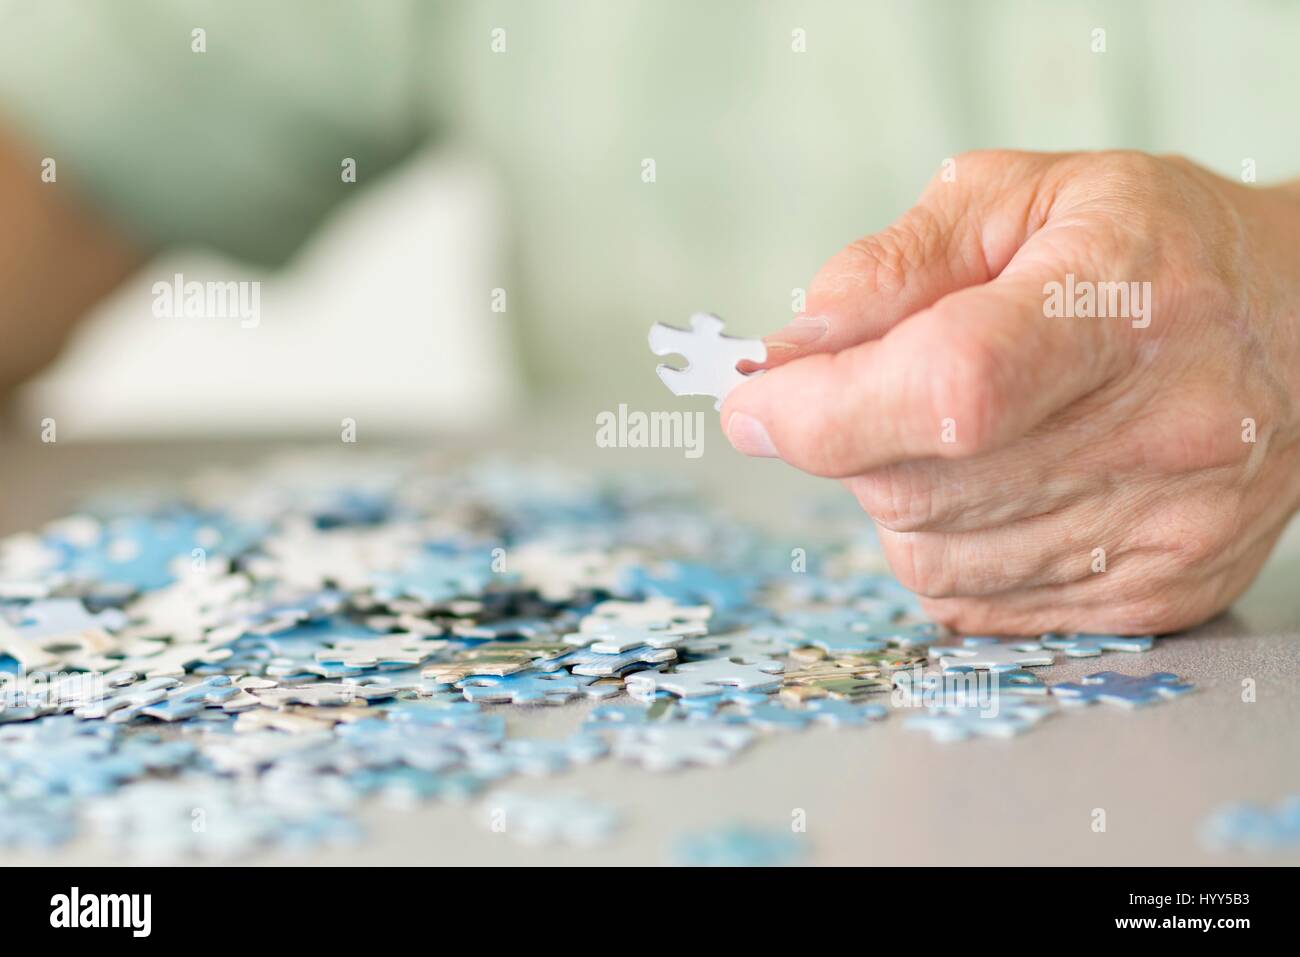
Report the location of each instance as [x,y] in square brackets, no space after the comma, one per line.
[302,640]
[844,714]
[1008,681]
[1258,830]
[52,617]
[348,506]
[740,846]
[185,702]
[584,661]
[405,785]
[829,619]
[542,757]
[703,707]
[811,587]
[693,584]
[522,687]
[140,552]
[283,613]
[461,715]
[839,642]
[618,716]
[436,578]
[290,655]
[1089,646]
[36,824]
[375,743]
[770,716]
[1131,691]
[962,723]
[62,755]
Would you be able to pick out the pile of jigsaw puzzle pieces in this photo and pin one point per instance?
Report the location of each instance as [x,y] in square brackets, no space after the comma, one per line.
[240,664]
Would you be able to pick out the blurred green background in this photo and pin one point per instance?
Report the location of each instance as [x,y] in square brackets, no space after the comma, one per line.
[778,130]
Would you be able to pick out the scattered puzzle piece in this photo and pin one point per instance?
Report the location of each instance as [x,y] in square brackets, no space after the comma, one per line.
[962,723]
[992,655]
[706,677]
[1131,691]
[843,714]
[1255,829]
[741,846]
[381,650]
[1089,646]
[365,636]
[525,687]
[615,639]
[566,818]
[673,745]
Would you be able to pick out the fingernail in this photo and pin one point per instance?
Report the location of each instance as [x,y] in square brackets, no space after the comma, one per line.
[749,437]
[801,332]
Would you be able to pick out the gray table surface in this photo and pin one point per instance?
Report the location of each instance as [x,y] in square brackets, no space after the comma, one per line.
[882,795]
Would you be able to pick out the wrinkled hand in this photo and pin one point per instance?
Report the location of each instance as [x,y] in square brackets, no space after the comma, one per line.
[1030,468]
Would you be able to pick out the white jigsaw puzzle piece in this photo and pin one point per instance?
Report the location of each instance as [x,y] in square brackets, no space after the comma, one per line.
[711,357]
[708,677]
[650,612]
[997,657]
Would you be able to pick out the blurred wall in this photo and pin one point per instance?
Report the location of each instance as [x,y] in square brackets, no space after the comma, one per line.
[656,158]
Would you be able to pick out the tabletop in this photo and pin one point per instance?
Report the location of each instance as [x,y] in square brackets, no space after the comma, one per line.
[884,794]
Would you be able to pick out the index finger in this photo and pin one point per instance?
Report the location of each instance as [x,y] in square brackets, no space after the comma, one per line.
[969,374]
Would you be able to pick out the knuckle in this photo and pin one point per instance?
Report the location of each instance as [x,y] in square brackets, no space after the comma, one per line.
[1153,599]
[1201,441]
[883,259]
[994,168]
[1131,168]
[918,564]
[895,500]
[1188,535]
[1195,541]
[977,162]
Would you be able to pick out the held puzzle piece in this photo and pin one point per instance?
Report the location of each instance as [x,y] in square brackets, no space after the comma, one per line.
[711,357]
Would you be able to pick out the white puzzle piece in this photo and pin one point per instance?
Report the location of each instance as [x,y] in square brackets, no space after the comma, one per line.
[711,357]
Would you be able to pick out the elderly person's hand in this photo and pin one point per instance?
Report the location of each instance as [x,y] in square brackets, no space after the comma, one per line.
[1065,387]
